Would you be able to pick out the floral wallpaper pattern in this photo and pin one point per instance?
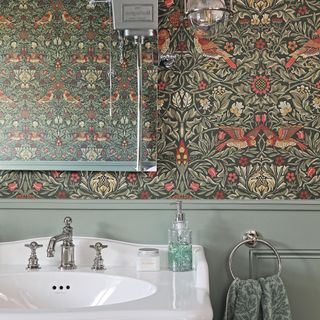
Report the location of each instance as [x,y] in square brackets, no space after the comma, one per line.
[65,94]
[239,113]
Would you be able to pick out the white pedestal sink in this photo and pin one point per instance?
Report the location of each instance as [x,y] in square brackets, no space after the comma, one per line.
[118,293]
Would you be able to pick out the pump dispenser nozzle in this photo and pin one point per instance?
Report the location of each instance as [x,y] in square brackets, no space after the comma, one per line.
[180,222]
[180,214]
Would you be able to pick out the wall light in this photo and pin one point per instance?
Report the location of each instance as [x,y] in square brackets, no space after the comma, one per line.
[209,15]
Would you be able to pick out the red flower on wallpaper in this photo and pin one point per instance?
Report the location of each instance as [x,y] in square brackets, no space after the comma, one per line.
[279,161]
[12,186]
[304,195]
[132,177]
[168,3]
[232,177]
[290,177]
[221,135]
[169,186]
[219,195]
[174,19]
[260,85]
[151,174]
[229,46]
[62,195]
[144,195]
[244,161]
[292,45]
[212,172]
[161,85]
[74,177]
[311,171]
[56,173]
[37,186]
[202,85]
[303,10]
[181,46]
[260,43]
[195,186]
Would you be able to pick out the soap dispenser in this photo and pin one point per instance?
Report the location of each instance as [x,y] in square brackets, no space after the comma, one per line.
[180,247]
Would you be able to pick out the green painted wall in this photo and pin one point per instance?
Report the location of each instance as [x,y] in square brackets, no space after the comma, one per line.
[290,226]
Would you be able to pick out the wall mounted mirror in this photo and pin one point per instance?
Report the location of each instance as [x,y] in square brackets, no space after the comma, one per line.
[68,89]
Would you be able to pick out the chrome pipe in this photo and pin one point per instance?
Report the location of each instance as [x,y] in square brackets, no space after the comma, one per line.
[139,40]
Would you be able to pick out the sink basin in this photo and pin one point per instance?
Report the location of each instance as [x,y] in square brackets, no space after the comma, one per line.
[117,293]
[56,290]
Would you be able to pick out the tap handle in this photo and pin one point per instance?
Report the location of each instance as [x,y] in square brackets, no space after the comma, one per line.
[33,246]
[98,247]
[33,260]
[67,221]
[98,261]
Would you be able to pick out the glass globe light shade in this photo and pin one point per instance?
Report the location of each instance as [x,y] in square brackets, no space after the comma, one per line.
[209,15]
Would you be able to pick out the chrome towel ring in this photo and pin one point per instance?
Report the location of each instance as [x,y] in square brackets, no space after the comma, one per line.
[251,238]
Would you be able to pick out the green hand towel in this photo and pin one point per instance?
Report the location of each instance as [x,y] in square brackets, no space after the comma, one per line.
[263,299]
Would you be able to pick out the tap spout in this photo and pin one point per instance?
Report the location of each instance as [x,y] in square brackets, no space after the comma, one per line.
[52,243]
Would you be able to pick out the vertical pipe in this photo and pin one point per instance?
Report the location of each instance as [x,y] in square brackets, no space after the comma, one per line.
[110,66]
[139,41]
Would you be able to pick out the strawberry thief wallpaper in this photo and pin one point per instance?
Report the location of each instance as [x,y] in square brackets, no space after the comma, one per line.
[238,113]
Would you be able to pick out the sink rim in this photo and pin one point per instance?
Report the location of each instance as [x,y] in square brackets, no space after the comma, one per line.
[120,258]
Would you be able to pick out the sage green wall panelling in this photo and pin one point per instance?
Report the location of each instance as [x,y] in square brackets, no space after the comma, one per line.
[292,226]
[237,123]
[68,99]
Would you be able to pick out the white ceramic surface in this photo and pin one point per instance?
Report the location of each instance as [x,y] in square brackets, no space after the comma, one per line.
[64,290]
[118,293]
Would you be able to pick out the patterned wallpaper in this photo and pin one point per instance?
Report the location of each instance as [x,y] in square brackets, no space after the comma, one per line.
[239,114]
[65,92]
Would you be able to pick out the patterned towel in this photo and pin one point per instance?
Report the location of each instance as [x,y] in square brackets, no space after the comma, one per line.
[263,299]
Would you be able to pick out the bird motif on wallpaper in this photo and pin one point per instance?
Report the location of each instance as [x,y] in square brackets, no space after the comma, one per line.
[105,22]
[6,99]
[284,138]
[47,18]
[209,49]
[101,58]
[101,136]
[80,58]
[35,136]
[81,136]
[238,138]
[163,40]
[13,58]
[46,98]
[71,99]
[69,20]
[309,49]
[6,22]
[114,98]
[35,58]
[15,136]
[134,98]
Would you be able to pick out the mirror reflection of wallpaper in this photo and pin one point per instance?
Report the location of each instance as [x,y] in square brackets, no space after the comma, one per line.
[57,58]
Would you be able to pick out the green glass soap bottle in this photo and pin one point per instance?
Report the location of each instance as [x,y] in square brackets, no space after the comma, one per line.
[180,243]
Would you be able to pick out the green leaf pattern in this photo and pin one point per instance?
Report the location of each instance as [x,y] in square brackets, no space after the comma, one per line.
[223,133]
